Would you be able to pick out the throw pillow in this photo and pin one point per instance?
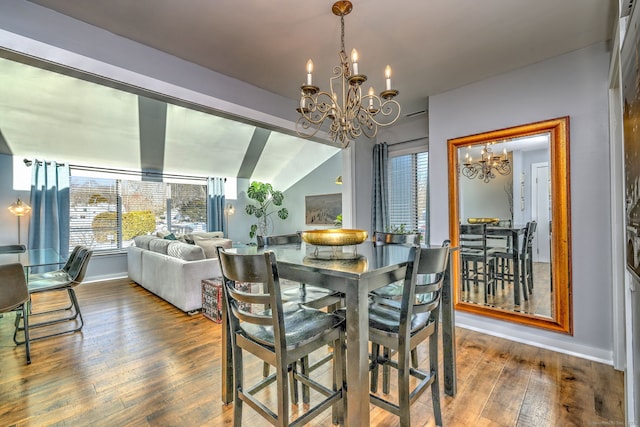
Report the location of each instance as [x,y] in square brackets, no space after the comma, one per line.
[170,236]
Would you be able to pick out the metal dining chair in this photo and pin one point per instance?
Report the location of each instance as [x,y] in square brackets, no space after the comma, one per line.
[15,296]
[311,296]
[280,334]
[402,325]
[59,280]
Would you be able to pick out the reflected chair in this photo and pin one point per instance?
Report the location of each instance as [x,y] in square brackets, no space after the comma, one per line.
[525,256]
[478,261]
[403,325]
[59,280]
[15,296]
[311,296]
[280,334]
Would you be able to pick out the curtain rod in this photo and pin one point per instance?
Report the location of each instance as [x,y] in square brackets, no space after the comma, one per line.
[408,140]
[121,171]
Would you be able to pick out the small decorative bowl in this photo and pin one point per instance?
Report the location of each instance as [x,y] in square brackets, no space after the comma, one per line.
[483,220]
[334,237]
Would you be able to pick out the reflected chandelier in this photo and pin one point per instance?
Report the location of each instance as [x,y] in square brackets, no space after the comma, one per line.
[488,163]
[348,113]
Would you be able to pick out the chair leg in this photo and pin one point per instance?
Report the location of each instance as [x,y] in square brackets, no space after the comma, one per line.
[25,309]
[404,388]
[386,370]
[283,396]
[293,383]
[375,367]
[238,381]
[305,371]
[433,368]
[414,358]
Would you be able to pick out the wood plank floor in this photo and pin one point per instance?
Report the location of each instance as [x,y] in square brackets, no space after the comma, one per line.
[141,362]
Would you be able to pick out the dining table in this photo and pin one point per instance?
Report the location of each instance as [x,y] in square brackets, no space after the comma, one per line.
[354,271]
[33,258]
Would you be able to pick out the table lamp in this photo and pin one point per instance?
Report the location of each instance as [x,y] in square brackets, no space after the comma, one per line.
[19,209]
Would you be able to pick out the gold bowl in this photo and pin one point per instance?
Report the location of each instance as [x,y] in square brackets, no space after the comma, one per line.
[483,220]
[334,237]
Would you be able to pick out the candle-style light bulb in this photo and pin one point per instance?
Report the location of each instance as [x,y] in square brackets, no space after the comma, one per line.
[309,72]
[354,60]
[371,95]
[387,75]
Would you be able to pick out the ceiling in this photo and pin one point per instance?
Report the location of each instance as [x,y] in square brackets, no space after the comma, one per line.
[433,46]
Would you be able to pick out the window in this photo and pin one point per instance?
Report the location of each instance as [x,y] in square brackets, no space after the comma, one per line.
[107,213]
[408,198]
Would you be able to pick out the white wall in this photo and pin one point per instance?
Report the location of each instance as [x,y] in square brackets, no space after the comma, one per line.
[322,180]
[576,85]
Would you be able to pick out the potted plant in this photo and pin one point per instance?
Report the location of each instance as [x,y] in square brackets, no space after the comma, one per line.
[266,198]
[398,234]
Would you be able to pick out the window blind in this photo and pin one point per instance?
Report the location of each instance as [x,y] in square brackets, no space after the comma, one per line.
[408,187]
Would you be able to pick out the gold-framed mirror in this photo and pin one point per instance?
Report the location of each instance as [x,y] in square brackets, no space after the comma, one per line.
[509,215]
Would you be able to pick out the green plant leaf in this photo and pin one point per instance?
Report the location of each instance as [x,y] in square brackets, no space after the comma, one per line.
[283,213]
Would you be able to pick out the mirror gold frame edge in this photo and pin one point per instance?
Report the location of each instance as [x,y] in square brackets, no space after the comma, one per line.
[558,129]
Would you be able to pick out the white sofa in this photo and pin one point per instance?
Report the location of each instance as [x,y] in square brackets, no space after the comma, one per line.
[173,270]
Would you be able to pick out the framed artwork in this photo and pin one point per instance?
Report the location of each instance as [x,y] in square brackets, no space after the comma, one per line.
[322,209]
[630,59]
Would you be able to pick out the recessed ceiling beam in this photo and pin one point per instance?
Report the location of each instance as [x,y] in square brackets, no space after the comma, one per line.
[251,157]
[152,117]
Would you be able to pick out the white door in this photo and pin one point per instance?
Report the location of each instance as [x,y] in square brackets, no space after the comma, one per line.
[541,211]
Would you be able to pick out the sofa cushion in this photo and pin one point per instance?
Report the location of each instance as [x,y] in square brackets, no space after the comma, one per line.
[185,251]
[142,242]
[160,245]
[210,245]
[206,234]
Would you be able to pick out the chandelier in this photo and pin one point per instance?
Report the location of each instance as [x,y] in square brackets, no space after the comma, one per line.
[488,164]
[348,112]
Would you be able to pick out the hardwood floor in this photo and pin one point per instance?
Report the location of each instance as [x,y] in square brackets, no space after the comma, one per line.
[141,362]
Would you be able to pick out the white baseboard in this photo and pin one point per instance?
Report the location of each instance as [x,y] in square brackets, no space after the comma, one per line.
[594,355]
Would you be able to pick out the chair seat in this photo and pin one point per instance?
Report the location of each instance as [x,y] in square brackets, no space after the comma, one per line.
[385,318]
[47,275]
[305,294]
[302,325]
[394,290]
[49,283]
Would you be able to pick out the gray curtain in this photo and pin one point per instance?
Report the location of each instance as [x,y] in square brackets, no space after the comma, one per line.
[215,205]
[380,196]
[49,223]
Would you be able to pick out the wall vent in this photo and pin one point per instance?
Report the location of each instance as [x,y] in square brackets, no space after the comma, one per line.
[415,113]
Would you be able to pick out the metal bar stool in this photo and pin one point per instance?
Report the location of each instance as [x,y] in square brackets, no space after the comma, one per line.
[279,334]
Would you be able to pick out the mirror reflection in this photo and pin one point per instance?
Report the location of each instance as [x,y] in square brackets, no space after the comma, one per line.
[505,224]
[509,217]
